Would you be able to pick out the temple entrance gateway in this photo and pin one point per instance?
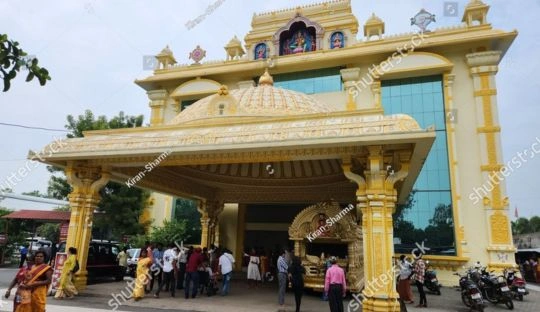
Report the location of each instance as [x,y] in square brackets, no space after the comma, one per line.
[288,148]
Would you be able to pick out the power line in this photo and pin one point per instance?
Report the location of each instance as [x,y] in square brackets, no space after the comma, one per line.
[31,127]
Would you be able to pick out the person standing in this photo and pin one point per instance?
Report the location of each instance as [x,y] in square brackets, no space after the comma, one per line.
[192,273]
[24,252]
[169,263]
[156,269]
[66,288]
[19,279]
[182,261]
[41,277]
[253,273]
[335,286]
[283,269]
[142,276]
[226,262]
[419,272]
[149,247]
[122,261]
[404,283]
[296,276]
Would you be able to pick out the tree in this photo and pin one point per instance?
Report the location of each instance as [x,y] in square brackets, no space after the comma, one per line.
[35,193]
[121,205]
[13,59]
[521,226]
[51,231]
[534,222]
[186,210]
[171,232]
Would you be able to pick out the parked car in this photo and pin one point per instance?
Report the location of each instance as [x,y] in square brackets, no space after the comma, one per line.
[102,262]
[133,259]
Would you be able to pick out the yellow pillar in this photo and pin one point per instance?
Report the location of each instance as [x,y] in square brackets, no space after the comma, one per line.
[483,68]
[86,182]
[376,198]
[210,211]
[240,233]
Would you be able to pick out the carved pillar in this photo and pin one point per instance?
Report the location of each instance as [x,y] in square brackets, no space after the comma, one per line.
[376,197]
[349,77]
[483,68]
[210,211]
[86,182]
[158,99]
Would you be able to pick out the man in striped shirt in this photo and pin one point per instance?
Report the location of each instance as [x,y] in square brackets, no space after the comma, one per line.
[282,278]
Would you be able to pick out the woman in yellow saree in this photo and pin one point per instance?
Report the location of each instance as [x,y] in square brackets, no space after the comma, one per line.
[37,282]
[66,289]
[142,275]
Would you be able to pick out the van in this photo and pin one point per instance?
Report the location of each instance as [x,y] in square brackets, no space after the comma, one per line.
[102,262]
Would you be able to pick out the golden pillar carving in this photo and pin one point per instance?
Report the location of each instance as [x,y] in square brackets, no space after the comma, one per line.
[158,100]
[86,182]
[210,211]
[483,68]
[376,197]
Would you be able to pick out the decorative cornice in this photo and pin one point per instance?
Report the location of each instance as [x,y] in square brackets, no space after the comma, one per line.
[487,58]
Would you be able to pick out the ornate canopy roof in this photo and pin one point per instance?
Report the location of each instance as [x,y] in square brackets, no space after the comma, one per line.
[258,144]
[264,100]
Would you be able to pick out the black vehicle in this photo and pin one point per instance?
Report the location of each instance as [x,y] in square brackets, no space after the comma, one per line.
[517,285]
[431,281]
[470,293]
[102,262]
[494,288]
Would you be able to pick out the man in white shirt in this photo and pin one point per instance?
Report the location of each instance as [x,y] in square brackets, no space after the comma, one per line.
[226,262]
[182,261]
[169,270]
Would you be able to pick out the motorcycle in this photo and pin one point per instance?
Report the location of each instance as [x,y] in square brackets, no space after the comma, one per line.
[494,288]
[470,293]
[431,281]
[517,285]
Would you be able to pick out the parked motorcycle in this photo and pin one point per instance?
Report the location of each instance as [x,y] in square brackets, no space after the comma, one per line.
[494,288]
[431,281]
[517,285]
[470,293]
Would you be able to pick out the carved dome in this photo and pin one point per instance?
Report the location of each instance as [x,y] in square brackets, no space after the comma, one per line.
[264,100]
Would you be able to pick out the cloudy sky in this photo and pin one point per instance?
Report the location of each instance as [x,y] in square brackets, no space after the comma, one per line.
[94,50]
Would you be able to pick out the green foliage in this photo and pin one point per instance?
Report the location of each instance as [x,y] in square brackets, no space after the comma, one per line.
[35,193]
[4,222]
[13,59]
[49,230]
[137,241]
[122,206]
[170,232]
[186,210]
[522,226]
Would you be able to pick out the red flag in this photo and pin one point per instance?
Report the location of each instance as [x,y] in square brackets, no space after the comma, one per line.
[516,214]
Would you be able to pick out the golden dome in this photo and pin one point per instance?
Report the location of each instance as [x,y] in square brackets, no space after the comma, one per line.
[264,100]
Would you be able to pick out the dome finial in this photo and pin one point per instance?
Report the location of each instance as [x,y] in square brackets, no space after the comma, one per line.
[266,79]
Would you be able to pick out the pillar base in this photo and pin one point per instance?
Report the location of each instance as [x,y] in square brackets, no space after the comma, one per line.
[380,305]
[80,280]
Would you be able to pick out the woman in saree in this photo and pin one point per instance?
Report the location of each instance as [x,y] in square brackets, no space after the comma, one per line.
[142,275]
[19,280]
[66,289]
[33,290]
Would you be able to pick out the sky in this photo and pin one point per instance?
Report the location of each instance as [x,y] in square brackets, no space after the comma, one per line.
[94,51]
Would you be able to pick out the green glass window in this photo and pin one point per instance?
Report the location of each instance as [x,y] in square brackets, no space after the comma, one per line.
[184,104]
[310,82]
[428,215]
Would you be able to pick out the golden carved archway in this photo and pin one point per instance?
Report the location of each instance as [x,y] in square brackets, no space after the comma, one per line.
[340,228]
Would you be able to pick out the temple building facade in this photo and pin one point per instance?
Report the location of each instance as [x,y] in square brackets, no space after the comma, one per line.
[327,136]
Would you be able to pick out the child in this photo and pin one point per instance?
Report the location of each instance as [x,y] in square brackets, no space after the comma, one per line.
[24,295]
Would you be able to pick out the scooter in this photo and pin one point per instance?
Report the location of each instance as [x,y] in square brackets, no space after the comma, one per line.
[470,293]
[493,288]
[431,281]
[517,285]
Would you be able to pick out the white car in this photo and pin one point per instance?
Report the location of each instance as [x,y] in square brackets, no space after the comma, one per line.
[132,260]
